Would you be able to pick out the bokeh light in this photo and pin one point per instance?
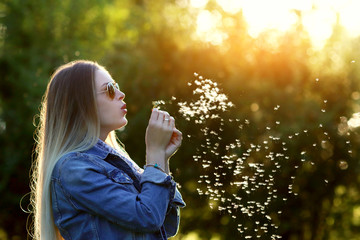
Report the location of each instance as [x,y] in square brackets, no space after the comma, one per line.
[318,17]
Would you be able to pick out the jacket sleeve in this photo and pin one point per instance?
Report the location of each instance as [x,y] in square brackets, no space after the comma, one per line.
[90,188]
[172,219]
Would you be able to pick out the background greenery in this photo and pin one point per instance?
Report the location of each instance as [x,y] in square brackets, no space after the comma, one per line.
[150,49]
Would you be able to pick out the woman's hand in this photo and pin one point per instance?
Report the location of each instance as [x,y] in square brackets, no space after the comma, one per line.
[174,143]
[158,135]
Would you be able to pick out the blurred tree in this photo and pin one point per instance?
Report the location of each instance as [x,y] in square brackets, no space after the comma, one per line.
[280,85]
[36,38]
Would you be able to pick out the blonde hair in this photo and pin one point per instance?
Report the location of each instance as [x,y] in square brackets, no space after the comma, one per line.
[68,122]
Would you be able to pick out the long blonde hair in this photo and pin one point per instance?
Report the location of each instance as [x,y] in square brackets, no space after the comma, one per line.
[68,122]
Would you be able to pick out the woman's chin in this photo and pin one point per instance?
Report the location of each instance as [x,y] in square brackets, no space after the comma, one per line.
[123,123]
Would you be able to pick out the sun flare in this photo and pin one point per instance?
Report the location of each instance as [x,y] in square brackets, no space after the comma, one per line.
[317,16]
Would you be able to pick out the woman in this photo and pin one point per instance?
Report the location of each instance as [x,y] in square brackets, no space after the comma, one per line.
[85,186]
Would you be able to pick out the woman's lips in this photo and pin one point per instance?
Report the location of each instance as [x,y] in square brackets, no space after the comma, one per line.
[123,107]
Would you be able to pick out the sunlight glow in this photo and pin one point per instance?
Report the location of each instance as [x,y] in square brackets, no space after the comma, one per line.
[350,17]
[208,24]
[263,15]
[319,25]
[231,6]
[317,16]
[198,3]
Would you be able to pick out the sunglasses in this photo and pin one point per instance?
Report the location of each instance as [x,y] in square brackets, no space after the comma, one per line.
[111,88]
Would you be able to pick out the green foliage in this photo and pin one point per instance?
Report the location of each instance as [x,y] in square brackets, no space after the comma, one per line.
[149,48]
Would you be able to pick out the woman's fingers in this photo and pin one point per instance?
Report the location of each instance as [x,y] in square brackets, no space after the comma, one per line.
[158,116]
[165,116]
[176,136]
[154,115]
[178,133]
[172,122]
[174,143]
[162,134]
[166,119]
[162,119]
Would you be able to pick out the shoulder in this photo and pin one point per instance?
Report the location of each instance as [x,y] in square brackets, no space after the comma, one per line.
[76,164]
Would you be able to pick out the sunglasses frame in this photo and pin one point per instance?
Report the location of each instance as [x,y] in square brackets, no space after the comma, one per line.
[111,89]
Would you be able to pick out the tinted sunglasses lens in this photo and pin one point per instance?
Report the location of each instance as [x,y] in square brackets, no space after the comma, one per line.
[111,90]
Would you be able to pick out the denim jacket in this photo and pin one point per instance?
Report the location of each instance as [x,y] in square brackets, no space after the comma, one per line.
[94,199]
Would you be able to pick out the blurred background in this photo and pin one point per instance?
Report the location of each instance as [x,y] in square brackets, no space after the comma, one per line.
[291,69]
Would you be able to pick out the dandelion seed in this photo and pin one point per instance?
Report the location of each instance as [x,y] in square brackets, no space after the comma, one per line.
[157,103]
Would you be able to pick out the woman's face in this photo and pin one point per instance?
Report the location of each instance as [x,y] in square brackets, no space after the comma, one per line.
[111,111]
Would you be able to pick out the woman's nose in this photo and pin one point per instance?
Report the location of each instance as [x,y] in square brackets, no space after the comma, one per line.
[121,95]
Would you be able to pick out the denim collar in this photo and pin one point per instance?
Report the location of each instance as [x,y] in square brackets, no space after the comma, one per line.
[101,149]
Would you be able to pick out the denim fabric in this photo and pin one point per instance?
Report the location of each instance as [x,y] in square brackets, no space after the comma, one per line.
[93,199]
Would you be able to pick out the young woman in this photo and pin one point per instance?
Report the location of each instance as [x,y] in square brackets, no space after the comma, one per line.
[85,186]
